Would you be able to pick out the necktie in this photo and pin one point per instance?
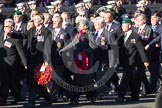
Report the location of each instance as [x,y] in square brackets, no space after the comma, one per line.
[107,27]
[6,37]
[139,31]
[96,35]
[55,34]
[16,27]
[37,32]
[125,37]
[154,27]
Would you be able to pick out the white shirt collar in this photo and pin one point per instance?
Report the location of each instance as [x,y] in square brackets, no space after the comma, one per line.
[109,26]
[38,28]
[18,25]
[46,25]
[100,31]
[142,27]
[57,30]
[127,36]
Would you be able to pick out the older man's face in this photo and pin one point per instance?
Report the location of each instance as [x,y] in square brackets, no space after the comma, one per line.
[37,20]
[140,21]
[65,19]
[126,27]
[56,22]
[108,17]
[17,18]
[98,25]
[8,27]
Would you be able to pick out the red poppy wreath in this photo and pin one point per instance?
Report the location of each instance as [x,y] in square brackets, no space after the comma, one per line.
[43,74]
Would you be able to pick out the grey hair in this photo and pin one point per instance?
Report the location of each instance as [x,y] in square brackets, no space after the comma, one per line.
[100,19]
[84,21]
[9,20]
[140,14]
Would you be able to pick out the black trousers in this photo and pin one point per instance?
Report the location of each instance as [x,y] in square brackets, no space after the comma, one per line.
[59,69]
[154,70]
[75,95]
[9,83]
[143,78]
[129,79]
[114,79]
[32,85]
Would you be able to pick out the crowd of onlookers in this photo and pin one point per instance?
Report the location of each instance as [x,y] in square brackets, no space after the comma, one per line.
[42,3]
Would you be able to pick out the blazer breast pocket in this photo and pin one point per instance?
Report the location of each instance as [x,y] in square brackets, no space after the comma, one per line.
[133,41]
[8,44]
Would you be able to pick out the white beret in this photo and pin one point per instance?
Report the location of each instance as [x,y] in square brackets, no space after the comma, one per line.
[79,5]
[140,5]
[111,2]
[31,2]
[58,2]
[23,7]
[53,3]
[20,4]
[50,7]
[142,2]
[103,8]
[86,1]
[109,6]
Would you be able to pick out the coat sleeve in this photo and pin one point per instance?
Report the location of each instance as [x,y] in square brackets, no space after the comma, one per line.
[47,48]
[19,35]
[70,45]
[150,35]
[141,51]
[19,47]
[92,44]
[157,39]
[111,52]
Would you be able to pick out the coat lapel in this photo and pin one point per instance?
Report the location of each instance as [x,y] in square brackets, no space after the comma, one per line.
[144,30]
[112,26]
[127,41]
[1,39]
[58,35]
[158,28]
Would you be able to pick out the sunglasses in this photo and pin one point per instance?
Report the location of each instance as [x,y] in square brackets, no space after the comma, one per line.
[7,26]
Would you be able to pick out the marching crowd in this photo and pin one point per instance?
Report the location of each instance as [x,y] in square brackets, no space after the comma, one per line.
[72,44]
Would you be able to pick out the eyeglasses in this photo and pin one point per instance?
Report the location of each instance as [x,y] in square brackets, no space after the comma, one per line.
[7,26]
[82,15]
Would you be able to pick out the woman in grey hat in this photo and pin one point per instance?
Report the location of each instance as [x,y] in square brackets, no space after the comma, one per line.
[84,44]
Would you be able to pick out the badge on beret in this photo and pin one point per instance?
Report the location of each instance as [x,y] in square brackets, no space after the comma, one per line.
[58,44]
[8,44]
